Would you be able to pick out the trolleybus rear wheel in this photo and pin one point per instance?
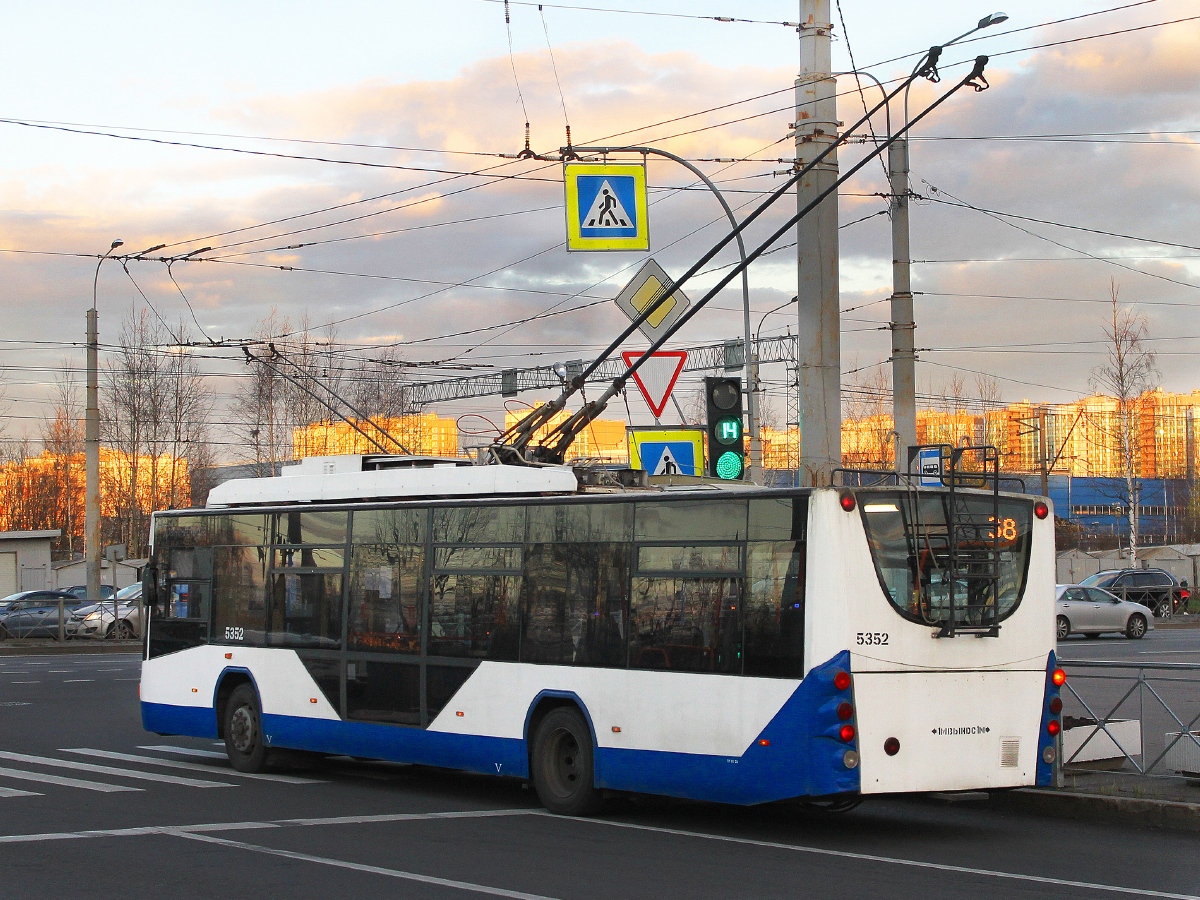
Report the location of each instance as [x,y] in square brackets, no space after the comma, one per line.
[243,731]
[563,772]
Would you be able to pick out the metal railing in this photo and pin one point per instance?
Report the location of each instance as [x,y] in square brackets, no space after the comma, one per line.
[1161,698]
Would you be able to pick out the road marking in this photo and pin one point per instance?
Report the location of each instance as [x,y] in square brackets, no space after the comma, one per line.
[26,682]
[246,826]
[193,767]
[76,680]
[13,792]
[64,782]
[185,751]
[360,867]
[60,671]
[111,770]
[127,679]
[888,860]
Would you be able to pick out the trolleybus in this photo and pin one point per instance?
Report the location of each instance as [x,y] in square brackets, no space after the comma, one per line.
[711,641]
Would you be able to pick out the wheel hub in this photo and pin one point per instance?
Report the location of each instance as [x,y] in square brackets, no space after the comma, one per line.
[241,729]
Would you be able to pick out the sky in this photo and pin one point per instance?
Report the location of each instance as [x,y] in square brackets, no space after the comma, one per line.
[1089,123]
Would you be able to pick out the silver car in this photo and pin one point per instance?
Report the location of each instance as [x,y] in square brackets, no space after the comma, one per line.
[96,620]
[1093,611]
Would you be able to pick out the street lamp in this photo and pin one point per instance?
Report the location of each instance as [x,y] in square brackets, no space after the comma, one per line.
[91,527]
[904,356]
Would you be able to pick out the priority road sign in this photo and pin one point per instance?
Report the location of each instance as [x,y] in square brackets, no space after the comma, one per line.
[643,291]
[666,451]
[606,206]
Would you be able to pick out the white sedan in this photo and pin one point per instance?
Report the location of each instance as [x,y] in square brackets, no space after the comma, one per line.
[1093,612]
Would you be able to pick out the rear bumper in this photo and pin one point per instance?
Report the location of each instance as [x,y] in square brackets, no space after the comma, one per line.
[957,730]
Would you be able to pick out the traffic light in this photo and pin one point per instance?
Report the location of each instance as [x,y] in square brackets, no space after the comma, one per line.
[726,454]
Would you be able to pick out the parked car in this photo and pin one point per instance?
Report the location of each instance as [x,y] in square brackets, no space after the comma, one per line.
[95,620]
[80,591]
[1094,611]
[1155,589]
[34,613]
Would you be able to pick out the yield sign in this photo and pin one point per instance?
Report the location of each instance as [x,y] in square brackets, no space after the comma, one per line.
[656,376]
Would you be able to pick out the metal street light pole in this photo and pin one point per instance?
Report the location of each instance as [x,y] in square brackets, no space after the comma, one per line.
[751,402]
[903,325]
[91,527]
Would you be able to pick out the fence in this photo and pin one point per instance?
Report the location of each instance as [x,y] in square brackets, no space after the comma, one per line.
[1133,717]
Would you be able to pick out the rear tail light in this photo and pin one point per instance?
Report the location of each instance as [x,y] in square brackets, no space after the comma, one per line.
[846,733]
[845,711]
[1053,728]
[850,759]
[1056,705]
[1059,677]
[847,501]
[1041,510]
[891,746]
[841,680]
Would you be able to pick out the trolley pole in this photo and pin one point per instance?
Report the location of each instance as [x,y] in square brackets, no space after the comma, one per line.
[819,336]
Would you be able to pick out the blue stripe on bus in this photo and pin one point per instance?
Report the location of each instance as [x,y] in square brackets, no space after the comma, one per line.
[1045,770]
[803,756]
[193,721]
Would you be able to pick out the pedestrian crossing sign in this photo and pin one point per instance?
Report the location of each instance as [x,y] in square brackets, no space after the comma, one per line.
[666,451]
[606,206]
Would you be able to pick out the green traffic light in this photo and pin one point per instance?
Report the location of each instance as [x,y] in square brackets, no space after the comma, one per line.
[729,465]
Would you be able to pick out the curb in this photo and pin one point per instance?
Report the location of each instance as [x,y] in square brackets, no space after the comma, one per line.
[53,648]
[1103,807]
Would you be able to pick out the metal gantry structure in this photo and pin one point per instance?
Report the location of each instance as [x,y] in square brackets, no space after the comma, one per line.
[727,355]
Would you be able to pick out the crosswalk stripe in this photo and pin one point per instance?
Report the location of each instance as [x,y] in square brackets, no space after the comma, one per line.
[110,770]
[13,792]
[22,775]
[194,767]
[185,751]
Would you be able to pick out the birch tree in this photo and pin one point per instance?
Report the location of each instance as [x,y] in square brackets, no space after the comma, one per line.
[1128,372]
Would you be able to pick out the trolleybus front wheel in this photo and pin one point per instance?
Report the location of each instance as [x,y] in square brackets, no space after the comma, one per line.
[243,731]
[563,772]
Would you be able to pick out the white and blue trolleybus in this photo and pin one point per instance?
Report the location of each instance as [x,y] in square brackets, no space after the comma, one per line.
[711,641]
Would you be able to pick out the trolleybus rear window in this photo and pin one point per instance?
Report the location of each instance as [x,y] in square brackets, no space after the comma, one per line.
[982,580]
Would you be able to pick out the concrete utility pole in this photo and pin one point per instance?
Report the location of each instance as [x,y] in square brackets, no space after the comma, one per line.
[820,348]
[904,357]
[91,435]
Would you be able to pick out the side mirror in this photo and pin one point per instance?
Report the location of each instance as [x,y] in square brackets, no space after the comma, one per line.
[149,586]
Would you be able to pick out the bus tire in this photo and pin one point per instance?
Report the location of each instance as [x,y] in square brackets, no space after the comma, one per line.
[563,764]
[243,731]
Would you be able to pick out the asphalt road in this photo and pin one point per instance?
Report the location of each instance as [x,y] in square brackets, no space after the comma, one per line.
[167,818]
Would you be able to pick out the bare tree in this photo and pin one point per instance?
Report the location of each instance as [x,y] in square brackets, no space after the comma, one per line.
[63,439]
[1127,373]
[995,427]
[260,405]
[868,429]
[155,414]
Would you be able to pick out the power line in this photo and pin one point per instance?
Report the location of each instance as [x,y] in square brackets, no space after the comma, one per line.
[645,12]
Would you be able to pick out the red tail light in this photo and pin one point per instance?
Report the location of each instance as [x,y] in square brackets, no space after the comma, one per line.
[1053,727]
[841,680]
[1041,510]
[846,733]
[1056,705]
[847,501]
[1059,677]
[844,711]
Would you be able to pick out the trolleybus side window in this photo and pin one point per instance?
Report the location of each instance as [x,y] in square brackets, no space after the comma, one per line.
[387,572]
[575,604]
[239,595]
[305,604]
[685,604]
[475,588]
[775,572]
